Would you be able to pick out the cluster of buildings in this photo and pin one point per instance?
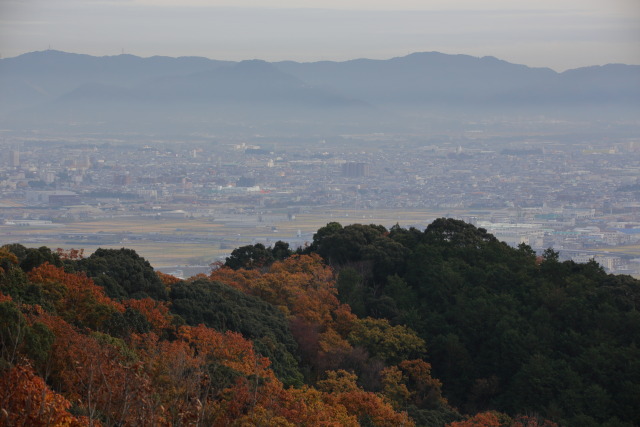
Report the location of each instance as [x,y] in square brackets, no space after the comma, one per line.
[582,199]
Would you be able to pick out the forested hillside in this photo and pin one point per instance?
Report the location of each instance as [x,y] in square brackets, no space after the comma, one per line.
[365,326]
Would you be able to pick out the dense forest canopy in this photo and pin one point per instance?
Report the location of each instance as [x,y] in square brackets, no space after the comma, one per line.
[364,326]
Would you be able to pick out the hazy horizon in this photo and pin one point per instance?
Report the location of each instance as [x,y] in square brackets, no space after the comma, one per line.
[560,36]
[311,61]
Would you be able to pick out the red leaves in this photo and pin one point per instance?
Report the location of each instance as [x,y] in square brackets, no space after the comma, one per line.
[483,419]
[70,254]
[301,285]
[156,312]
[4,297]
[97,371]
[74,297]
[167,279]
[26,400]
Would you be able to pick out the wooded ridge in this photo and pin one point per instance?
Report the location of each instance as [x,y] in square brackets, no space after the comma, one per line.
[364,326]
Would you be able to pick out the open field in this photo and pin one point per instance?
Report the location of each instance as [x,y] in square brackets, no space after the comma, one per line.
[170,242]
[633,250]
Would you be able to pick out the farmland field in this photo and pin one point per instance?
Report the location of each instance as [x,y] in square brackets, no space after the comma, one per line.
[174,241]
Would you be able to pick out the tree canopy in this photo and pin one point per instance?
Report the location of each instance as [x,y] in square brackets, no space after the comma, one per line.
[123,274]
[445,326]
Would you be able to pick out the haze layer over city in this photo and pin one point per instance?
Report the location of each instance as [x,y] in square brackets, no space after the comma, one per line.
[184,158]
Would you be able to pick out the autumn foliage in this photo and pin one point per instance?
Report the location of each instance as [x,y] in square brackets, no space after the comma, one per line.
[82,358]
[82,343]
[26,400]
[301,285]
[74,296]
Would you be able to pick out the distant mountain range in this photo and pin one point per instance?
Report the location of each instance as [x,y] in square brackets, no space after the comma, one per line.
[52,88]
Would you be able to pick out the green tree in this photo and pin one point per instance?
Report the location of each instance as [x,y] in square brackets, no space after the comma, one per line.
[391,344]
[123,274]
[250,256]
[224,308]
[30,258]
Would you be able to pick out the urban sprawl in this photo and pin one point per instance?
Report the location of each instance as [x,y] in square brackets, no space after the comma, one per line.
[579,198]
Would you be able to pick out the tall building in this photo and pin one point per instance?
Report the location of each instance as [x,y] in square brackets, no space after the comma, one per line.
[122,179]
[14,158]
[355,169]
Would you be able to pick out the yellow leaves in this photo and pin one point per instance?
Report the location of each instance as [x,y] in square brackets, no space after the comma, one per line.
[370,406]
[389,343]
[7,259]
[341,386]
[343,319]
[339,381]
[411,381]
[393,388]
[310,407]
[331,341]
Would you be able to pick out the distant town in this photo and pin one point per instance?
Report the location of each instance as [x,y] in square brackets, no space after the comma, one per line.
[581,198]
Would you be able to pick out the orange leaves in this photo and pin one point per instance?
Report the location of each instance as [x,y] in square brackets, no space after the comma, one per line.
[342,388]
[189,375]
[156,312]
[339,381]
[230,349]
[301,285]
[203,376]
[260,416]
[4,297]
[483,419]
[26,400]
[167,279]
[75,297]
[308,286]
[303,406]
[425,390]
[310,407]
[344,320]
[95,371]
[217,379]
[369,406]
[177,376]
[240,279]
[411,382]
[7,259]
[312,266]
[330,342]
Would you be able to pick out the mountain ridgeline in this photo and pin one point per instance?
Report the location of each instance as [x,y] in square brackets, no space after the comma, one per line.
[365,326]
[52,88]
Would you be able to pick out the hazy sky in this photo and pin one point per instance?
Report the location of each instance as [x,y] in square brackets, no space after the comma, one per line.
[559,34]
